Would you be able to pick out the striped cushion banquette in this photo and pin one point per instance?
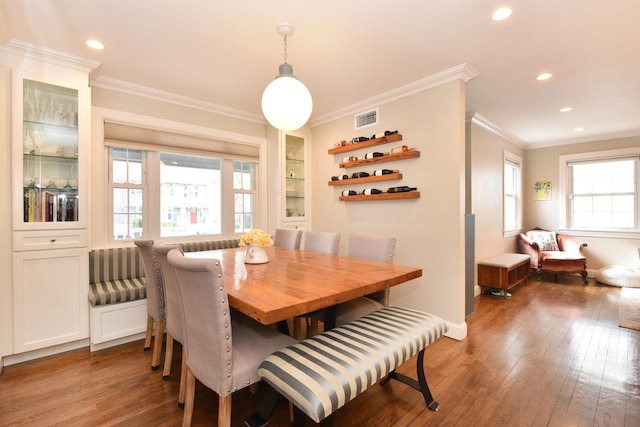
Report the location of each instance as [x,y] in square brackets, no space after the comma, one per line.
[210,245]
[116,275]
[324,372]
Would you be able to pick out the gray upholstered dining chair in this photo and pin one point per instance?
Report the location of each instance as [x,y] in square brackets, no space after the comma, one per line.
[373,248]
[154,286]
[223,352]
[320,241]
[174,317]
[287,238]
[326,243]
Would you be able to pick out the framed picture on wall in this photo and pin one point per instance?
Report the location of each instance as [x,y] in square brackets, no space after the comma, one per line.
[542,190]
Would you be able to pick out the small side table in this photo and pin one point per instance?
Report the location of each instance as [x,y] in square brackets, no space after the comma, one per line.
[503,271]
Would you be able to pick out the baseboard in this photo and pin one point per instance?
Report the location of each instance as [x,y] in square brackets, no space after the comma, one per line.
[44,352]
[115,342]
[457,331]
[477,290]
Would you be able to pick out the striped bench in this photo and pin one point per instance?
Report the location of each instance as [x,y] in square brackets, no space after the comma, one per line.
[117,275]
[321,374]
[117,292]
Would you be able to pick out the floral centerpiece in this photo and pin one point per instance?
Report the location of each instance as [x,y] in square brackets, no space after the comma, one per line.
[256,237]
[255,241]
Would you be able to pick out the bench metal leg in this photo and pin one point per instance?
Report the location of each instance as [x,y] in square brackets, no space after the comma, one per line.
[260,418]
[420,385]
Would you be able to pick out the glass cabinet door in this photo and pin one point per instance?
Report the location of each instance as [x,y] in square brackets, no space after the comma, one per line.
[50,152]
[294,177]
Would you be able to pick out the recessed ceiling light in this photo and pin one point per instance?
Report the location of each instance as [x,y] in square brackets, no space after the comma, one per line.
[501,13]
[95,44]
[578,129]
[544,76]
[565,109]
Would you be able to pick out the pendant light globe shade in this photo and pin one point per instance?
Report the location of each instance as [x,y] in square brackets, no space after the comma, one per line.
[286,101]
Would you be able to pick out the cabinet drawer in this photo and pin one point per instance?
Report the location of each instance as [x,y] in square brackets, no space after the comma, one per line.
[49,239]
[295,225]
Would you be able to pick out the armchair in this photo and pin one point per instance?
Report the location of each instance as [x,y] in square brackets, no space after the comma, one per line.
[553,252]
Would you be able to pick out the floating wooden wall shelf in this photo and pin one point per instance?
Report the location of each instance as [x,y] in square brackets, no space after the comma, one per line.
[351,181]
[365,144]
[386,158]
[383,196]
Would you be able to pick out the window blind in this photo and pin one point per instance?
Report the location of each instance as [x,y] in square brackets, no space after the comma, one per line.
[604,159]
[126,136]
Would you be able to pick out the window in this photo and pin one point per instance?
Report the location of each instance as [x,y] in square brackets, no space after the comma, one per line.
[512,193]
[602,193]
[244,195]
[190,196]
[175,181]
[127,189]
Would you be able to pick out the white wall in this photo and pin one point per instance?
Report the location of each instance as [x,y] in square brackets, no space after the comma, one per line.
[487,150]
[542,164]
[429,230]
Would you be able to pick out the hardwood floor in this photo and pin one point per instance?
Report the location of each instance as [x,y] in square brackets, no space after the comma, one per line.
[551,355]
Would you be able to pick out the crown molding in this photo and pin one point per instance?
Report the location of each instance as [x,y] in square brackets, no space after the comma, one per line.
[481,121]
[172,98]
[630,133]
[51,56]
[464,72]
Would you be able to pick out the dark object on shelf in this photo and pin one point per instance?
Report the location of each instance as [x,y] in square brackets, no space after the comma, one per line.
[370,191]
[374,155]
[380,172]
[359,139]
[349,193]
[401,189]
[383,134]
[360,175]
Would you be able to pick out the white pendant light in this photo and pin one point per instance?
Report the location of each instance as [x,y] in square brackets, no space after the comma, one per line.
[286,101]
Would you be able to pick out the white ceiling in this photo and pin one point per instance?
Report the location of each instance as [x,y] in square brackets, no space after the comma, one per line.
[225,52]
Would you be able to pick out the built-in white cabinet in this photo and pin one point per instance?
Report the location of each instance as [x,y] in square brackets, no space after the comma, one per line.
[50,298]
[50,134]
[50,161]
[290,155]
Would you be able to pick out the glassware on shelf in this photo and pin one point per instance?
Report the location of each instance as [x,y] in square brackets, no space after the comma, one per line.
[50,152]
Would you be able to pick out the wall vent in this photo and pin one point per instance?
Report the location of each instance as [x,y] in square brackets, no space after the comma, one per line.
[366,119]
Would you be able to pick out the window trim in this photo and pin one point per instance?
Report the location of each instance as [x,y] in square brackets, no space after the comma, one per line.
[563,188]
[509,157]
[100,231]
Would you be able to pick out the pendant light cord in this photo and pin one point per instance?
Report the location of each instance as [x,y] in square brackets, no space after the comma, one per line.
[285,48]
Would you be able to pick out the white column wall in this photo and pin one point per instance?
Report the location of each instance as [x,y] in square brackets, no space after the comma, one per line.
[429,230]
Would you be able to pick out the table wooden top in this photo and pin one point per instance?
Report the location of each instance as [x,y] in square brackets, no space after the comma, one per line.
[296,282]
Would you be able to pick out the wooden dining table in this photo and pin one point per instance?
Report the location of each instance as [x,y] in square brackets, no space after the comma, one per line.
[296,282]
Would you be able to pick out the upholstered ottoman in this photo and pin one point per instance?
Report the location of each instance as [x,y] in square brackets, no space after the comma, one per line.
[618,275]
